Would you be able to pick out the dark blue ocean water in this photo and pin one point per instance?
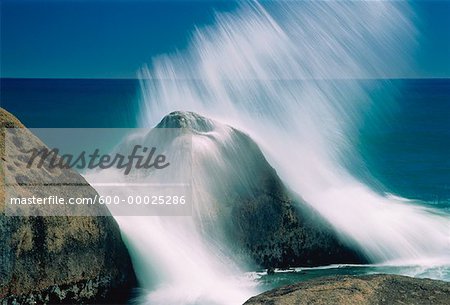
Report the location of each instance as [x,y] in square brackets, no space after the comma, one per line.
[406,151]
[71,103]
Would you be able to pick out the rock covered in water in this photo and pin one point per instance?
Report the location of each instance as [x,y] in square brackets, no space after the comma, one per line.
[56,259]
[378,289]
[248,205]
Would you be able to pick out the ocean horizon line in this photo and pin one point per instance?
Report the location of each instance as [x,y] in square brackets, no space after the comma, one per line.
[137,78]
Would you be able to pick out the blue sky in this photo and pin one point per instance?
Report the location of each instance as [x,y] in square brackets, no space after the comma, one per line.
[112,39]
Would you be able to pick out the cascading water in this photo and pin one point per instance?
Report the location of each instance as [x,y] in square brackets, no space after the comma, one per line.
[290,75]
[177,258]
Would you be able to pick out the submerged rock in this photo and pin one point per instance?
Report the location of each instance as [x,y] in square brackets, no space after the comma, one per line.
[247,204]
[56,259]
[358,290]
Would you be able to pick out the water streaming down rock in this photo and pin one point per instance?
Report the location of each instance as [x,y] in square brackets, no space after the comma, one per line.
[179,259]
[241,204]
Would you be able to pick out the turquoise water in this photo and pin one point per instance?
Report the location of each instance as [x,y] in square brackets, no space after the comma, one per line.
[406,149]
[287,277]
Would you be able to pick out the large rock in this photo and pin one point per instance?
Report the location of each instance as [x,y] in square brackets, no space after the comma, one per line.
[358,290]
[56,259]
[261,219]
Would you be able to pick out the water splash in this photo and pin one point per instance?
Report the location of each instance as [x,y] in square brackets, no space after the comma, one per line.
[289,74]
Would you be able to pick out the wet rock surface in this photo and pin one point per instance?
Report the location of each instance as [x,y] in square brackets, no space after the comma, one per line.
[263,221]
